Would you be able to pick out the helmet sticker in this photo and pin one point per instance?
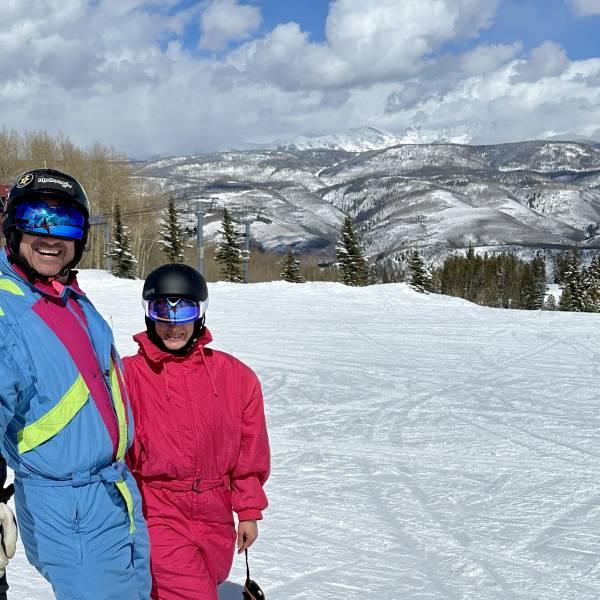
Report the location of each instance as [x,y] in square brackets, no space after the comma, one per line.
[64,184]
[25,180]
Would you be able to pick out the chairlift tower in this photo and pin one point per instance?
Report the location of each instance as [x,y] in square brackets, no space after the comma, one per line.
[200,210]
[101,221]
[247,221]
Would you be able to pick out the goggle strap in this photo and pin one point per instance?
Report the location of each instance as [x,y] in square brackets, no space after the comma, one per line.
[247,567]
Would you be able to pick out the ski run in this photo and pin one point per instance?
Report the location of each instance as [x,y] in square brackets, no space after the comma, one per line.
[424,448]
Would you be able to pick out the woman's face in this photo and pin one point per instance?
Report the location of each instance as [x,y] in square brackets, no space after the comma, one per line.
[174,337]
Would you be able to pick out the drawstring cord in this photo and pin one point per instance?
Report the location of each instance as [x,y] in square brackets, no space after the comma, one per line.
[166,379]
[210,378]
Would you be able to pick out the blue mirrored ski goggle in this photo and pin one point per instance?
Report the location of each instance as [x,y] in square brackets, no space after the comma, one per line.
[174,310]
[53,218]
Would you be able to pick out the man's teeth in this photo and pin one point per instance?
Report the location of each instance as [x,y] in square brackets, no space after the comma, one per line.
[49,252]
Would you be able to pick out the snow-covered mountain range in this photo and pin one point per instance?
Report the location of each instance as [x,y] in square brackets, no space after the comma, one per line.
[364,139]
[440,196]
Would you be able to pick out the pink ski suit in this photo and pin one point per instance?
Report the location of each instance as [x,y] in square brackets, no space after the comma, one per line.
[200,452]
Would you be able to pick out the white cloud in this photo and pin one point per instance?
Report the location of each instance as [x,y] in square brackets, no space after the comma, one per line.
[483,59]
[366,42]
[500,107]
[547,60]
[68,67]
[227,21]
[586,8]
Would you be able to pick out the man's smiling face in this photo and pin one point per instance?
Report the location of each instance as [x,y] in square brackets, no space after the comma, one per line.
[47,255]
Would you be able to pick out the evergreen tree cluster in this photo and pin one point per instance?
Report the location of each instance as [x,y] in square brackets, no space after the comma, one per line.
[580,285]
[502,280]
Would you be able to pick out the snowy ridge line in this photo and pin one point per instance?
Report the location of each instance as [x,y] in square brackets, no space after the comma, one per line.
[521,196]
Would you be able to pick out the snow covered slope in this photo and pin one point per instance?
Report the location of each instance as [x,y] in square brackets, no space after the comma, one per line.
[423,447]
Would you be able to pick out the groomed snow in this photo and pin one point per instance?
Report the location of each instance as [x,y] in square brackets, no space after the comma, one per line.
[423,447]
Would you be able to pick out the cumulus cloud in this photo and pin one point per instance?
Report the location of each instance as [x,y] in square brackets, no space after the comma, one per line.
[366,42]
[547,60]
[499,107]
[74,45]
[442,75]
[68,67]
[227,21]
[586,8]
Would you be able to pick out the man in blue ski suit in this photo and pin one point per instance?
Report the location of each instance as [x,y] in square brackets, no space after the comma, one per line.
[65,420]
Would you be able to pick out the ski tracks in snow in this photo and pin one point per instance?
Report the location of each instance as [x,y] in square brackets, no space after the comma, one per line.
[442,434]
[423,448]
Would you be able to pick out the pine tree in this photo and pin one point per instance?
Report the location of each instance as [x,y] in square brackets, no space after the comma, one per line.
[527,289]
[351,263]
[291,268]
[170,231]
[420,280]
[572,284]
[124,263]
[591,283]
[550,303]
[538,267]
[228,252]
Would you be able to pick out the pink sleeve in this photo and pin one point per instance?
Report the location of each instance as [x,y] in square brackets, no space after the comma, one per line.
[252,469]
[132,458]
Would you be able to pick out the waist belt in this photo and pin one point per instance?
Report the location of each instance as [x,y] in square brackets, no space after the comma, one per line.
[113,473]
[186,485]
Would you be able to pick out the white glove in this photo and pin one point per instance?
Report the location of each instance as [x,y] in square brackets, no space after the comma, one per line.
[8,536]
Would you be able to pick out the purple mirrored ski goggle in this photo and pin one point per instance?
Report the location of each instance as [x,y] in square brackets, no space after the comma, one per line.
[56,219]
[174,310]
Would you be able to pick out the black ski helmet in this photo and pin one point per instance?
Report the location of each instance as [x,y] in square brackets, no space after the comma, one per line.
[175,280]
[50,184]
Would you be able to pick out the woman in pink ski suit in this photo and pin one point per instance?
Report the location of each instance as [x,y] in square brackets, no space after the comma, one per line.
[201,450]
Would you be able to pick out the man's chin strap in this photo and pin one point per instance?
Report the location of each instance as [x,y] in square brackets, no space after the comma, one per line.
[32,275]
[16,259]
[196,334]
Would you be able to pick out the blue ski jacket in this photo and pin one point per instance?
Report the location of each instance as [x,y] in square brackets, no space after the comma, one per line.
[65,426]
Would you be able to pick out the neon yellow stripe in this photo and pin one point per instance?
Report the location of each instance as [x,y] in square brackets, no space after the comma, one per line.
[122,487]
[55,419]
[1,312]
[122,421]
[11,287]
[119,409]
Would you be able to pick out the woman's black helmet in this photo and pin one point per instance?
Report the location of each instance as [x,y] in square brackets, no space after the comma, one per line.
[175,280]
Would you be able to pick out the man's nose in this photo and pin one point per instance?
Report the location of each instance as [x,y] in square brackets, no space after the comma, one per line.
[49,240]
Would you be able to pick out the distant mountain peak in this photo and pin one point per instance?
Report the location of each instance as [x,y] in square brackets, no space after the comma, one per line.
[363,139]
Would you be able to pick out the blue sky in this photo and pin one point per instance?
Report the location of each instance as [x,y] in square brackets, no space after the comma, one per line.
[530,22]
[310,14]
[187,76]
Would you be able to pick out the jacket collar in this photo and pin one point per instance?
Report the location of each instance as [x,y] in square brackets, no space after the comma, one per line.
[154,354]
